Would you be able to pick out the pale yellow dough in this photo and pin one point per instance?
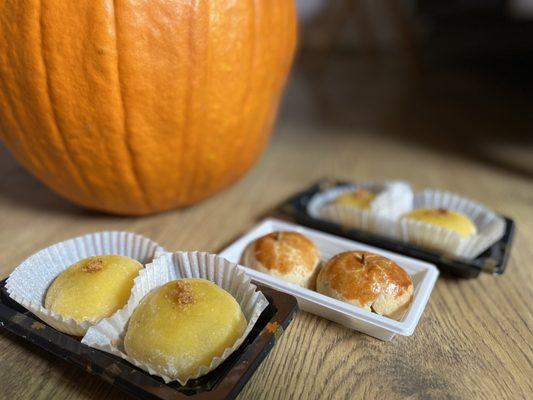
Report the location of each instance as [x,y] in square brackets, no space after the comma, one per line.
[93,288]
[360,198]
[444,218]
[183,325]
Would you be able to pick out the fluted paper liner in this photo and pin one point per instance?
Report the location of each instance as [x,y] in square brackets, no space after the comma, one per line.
[490,226]
[108,335]
[28,283]
[393,199]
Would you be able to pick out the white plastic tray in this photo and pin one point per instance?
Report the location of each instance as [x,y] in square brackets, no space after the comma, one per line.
[423,275]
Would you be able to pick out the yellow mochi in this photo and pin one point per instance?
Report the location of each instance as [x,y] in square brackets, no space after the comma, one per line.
[93,288]
[447,219]
[183,325]
[359,199]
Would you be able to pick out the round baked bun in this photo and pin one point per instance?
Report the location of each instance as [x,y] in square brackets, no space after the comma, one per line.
[286,255]
[366,280]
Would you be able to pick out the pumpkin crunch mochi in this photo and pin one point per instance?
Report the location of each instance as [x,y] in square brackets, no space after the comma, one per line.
[181,326]
[93,288]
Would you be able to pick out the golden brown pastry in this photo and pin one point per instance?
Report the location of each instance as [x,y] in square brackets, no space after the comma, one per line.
[366,280]
[286,255]
[360,198]
[183,325]
[444,218]
[93,288]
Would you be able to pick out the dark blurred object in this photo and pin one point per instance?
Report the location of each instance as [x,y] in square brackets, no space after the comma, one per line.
[366,26]
[453,76]
[498,27]
[497,34]
[459,7]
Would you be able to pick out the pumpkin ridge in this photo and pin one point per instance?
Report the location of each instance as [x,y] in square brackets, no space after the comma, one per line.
[64,142]
[17,136]
[242,143]
[253,54]
[24,156]
[127,133]
[202,181]
[190,94]
[261,108]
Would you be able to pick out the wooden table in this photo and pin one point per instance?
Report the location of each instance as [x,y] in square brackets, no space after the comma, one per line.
[474,339]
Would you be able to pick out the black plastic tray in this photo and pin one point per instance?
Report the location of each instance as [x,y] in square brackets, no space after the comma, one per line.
[225,382]
[493,260]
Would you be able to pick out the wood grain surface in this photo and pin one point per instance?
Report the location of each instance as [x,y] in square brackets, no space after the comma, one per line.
[474,340]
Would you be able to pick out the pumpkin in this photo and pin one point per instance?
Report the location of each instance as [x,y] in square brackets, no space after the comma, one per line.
[139,106]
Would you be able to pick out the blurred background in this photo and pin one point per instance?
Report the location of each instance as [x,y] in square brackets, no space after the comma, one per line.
[454,75]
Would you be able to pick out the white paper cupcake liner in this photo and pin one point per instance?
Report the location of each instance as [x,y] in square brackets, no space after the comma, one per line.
[490,226]
[28,283]
[393,200]
[108,335]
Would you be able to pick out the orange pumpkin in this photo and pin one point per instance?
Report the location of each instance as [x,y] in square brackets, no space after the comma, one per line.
[134,107]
